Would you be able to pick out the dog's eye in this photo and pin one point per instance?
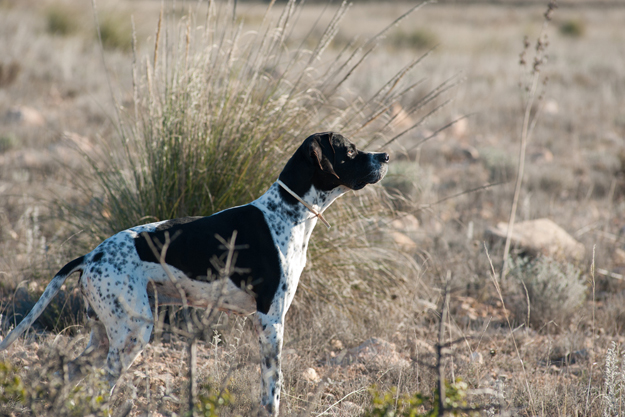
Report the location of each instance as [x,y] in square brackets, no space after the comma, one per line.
[351,153]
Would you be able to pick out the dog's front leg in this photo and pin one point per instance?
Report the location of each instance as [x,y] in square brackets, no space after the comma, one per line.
[271,331]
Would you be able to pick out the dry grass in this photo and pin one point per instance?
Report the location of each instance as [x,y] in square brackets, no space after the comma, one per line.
[574,175]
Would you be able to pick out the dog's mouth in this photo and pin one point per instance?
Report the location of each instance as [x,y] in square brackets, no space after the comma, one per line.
[360,185]
[372,178]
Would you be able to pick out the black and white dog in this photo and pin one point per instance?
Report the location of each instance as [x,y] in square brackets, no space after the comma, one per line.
[273,232]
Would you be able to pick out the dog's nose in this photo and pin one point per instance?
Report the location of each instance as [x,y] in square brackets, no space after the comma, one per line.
[384,157]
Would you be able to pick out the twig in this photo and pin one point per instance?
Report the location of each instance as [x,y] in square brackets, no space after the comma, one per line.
[482,187]
[503,304]
[592,275]
[325,412]
[439,350]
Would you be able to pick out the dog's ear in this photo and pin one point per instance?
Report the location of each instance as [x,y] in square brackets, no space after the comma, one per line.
[316,154]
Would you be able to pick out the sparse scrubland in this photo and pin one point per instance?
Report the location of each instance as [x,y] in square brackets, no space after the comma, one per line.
[189,110]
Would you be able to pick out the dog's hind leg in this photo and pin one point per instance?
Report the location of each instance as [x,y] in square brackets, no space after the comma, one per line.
[125,314]
[94,354]
[128,334]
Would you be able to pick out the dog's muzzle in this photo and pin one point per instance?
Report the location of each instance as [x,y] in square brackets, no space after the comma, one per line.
[379,168]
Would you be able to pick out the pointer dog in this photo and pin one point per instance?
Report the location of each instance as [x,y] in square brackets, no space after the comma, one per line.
[273,232]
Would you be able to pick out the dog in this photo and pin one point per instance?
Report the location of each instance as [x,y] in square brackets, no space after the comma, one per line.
[119,276]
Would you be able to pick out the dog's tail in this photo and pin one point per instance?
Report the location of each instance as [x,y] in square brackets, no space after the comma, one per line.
[51,290]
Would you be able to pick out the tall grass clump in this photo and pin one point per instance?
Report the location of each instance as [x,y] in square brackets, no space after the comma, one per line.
[219,109]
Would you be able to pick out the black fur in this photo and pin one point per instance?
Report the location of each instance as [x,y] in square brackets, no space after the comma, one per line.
[193,244]
[71,265]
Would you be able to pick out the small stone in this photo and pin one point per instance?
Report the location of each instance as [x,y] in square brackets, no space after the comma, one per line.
[403,241]
[25,115]
[311,375]
[336,344]
[540,236]
[406,223]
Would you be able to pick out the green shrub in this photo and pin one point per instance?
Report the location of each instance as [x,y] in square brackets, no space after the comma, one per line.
[389,404]
[60,20]
[116,32]
[555,290]
[43,392]
[11,384]
[573,28]
[211,400]
[417,39]
[7,142]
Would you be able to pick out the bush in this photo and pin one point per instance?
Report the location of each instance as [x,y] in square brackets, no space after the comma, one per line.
[60,20]
[7,142]
[43,391]
[573,28]
[116,32]
[555,291]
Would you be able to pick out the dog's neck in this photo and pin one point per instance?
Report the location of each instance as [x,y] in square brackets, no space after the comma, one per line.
[277,202]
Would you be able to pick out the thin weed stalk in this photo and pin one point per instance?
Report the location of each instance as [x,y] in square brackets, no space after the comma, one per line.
[493,277]
[529,122]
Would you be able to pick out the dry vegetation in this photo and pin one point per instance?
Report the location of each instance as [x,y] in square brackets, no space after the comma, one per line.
[367,312]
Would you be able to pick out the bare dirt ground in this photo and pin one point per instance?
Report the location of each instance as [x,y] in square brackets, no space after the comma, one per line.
[55,104]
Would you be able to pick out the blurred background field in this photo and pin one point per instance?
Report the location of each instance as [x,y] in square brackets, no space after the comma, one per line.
[374,284]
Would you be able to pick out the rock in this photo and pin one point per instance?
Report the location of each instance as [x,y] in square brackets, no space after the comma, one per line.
[460,128]
[403,241]
[551,107]
[374,352]
[311,375]
[82,143]
[406,223]
[560,359]
[25,116]
[459,152]
[336,344]
[541,156]
[540,236]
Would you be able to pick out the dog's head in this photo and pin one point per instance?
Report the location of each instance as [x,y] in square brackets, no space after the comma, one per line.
[327,161]
[336,162]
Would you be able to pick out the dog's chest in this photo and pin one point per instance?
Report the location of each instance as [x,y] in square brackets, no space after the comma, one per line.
[290,229]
